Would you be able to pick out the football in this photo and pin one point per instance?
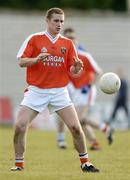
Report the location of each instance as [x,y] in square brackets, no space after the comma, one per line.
[109,83]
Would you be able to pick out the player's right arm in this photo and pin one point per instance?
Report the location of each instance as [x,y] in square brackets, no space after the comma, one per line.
[28,54]
[26,62]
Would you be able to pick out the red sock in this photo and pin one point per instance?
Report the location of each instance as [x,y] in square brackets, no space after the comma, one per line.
[83,157]
[19,162]
[95,144]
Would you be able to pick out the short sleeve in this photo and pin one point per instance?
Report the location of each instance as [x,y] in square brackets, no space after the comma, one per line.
[26,49]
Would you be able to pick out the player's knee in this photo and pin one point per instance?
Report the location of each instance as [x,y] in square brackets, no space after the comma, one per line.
[20,127]
[76,130]
[19,130]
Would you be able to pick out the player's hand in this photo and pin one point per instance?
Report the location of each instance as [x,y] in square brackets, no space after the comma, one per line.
[42,56]
[77,66]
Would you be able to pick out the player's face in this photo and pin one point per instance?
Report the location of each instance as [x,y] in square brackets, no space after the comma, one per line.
[54,25]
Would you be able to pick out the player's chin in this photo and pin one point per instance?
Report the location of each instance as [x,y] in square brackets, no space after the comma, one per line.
[58,30]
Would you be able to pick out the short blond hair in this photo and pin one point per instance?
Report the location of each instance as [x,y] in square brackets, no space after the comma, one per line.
[52,11]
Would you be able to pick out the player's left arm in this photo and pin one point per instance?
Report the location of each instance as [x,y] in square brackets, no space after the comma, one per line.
[75,64]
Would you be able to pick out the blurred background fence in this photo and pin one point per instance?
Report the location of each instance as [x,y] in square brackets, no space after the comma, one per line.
[116,5]
[103,28]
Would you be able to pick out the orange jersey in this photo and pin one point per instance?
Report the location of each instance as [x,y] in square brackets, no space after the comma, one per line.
[52,72]
[89,69]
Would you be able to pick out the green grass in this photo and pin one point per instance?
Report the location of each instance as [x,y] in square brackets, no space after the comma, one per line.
[44,161]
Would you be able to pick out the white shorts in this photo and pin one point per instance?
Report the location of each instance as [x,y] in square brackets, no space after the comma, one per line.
[82,99]
[39,99]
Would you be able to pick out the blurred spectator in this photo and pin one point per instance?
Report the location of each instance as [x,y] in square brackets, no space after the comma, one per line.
[82,91]
[121,101]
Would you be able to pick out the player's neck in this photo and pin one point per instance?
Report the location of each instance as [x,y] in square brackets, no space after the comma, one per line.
[52,35]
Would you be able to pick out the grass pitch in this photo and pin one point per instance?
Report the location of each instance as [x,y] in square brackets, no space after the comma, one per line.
[44,161]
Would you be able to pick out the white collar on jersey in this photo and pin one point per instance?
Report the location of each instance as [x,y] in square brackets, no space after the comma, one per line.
[52,39]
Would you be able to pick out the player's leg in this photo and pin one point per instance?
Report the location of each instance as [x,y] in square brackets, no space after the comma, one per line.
[116,107]
[86,122]
[24,117]
[70,118]
[110,130]
[126,109]
[88,131]
[91,136]
[95,124]
[61,133]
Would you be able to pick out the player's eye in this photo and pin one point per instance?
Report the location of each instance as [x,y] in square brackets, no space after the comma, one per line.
[57,20]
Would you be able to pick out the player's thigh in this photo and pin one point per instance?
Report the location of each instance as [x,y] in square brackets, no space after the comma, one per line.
[69,116]
[25,115]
